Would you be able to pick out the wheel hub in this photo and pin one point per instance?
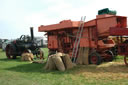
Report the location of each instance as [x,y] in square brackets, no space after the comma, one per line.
[94,59]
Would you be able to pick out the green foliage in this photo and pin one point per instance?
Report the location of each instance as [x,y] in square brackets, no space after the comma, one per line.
[17,72]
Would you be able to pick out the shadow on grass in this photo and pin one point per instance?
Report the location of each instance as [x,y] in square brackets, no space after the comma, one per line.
[7,60]
[30,67]
[35,67]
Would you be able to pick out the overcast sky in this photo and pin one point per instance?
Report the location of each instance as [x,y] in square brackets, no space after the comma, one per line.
[17,16]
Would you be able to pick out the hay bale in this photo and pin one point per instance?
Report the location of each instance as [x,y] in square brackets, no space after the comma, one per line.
[31,56]
[67,61]
[58,54]
[27,57]
[40,62]
[58,62]
[47,65]
[22,57]
[50,65]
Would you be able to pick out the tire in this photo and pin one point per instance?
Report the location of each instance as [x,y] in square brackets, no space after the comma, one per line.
[126,60]
[13,57]
[114,51]
[10,52]
[111,55]
[95,58]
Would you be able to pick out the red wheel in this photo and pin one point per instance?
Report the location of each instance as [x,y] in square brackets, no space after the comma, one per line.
[126,60]
[95,58]
[9,52]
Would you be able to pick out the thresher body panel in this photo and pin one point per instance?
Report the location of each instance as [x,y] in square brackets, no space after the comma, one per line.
[52,42]
[104,24]
[84,41]
[90,23]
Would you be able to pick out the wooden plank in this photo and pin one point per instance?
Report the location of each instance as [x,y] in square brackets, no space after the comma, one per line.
[79,59]
[85,55]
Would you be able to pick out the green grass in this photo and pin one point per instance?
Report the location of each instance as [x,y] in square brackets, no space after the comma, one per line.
[17,72]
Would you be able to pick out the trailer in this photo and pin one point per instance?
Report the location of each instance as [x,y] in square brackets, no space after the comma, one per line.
[122,44]
[89,39]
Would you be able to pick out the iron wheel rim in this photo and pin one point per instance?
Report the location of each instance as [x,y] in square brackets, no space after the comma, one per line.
[8,52]
[94,59]
[126,60]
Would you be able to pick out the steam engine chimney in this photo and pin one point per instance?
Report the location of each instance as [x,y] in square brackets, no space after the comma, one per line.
[31,31]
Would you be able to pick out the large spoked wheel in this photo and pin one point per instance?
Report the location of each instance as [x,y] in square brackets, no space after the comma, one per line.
[9,52]
[40,54]
[95,58]
[126,60]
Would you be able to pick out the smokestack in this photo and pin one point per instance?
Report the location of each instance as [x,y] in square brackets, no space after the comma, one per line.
[32,35]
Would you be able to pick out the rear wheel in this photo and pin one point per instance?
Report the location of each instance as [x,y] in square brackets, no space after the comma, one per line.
[95,58]
[126,60]
[110,55]
[9,52]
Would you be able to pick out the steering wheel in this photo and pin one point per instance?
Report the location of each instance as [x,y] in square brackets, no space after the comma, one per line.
[22,37]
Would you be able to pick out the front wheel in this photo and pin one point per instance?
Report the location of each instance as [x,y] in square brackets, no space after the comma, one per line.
[126,60]
[110,55]
[95,58]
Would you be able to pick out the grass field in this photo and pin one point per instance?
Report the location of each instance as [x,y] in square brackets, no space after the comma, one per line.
[17,72]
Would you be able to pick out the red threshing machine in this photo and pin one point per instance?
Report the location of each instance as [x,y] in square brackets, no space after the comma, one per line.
[70,36]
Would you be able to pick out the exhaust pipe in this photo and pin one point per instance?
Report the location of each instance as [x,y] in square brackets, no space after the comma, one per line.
[31,31]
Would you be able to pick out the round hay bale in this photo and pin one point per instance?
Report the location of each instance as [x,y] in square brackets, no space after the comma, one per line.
[27,57]
[58,62]
[47,65]
[67,61]
[31,56]
[59,54]
[51,64]
[22,57]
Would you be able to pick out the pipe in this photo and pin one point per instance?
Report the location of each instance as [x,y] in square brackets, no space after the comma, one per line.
[32,34]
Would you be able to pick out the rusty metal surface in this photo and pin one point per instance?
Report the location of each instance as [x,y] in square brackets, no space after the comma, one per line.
[66,24]
[115,31]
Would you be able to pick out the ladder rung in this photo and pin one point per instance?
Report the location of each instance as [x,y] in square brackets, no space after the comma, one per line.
[78,36]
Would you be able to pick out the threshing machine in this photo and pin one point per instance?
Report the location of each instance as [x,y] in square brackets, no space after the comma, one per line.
[70,36]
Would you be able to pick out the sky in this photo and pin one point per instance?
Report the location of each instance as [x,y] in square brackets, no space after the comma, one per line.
[17,16]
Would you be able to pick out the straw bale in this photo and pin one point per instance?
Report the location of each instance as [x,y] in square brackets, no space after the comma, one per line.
[67,61]
[58,62]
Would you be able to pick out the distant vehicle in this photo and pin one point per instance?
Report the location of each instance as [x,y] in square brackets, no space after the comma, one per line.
[0,43]
[4,44]
[41,41]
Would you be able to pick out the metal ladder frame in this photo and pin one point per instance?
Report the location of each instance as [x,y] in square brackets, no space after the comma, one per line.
[78,37]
